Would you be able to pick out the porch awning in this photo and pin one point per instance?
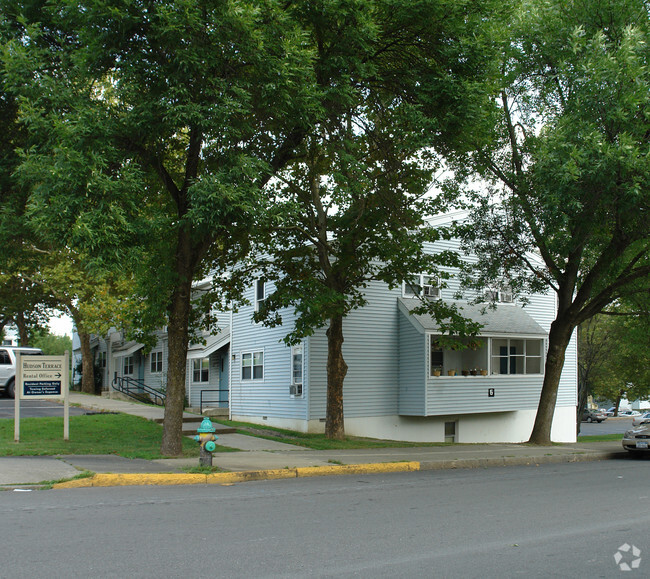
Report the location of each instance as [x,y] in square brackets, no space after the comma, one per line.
[127,349]
[212,344]
[507,319]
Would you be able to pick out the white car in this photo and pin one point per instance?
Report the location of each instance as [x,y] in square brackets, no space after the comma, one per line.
[637,439]
[638,420]
[8,367]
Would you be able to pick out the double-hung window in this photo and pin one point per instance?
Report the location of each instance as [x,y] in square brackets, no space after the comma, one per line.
[252,365]
[260,293]
[296,371]
[200,369]
[101,360]
[156,362]
[422,285]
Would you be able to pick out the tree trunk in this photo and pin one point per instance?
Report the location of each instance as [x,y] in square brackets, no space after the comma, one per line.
[558,340]
[336,371]
[23,334]
[177,335]
[87,364]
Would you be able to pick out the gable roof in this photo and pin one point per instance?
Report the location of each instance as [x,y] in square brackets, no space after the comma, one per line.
[505,319]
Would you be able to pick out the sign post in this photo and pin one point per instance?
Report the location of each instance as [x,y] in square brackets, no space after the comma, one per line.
[39,377]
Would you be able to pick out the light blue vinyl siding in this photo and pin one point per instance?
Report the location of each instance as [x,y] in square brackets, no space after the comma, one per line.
[371,351]
[412,368]
[270,396]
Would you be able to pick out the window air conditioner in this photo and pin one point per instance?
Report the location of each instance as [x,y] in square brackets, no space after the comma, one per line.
[430,291]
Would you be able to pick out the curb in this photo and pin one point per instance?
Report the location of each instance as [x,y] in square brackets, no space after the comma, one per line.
[111,480]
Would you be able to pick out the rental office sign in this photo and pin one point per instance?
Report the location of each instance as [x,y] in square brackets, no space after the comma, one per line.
[43,377]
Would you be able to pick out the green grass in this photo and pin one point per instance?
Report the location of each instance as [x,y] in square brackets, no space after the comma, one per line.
[318,441]
[120,434]
[600,437]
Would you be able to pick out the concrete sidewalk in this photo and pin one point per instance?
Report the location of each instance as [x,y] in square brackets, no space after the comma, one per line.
[260,458]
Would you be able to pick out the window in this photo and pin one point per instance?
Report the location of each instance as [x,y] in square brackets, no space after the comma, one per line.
[516,356]
[156,362]
[128,365]
[450,432]
[252,366]
[436,358]
[296,371]
[200,369]
[4,358]
[503,295]
[425,285]
[101,359]
[260,293]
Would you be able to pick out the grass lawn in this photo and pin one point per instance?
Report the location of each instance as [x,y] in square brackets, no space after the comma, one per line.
[121,434]
[600,437]
[318,441]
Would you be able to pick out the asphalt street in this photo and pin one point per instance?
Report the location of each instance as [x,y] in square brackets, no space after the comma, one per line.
[35,409]
[563,520]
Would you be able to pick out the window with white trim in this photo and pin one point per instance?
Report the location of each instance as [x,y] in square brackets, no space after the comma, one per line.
[421,284]
[252,365]
[516,356]
[296,371]
[129,365]
[156,362]
[503,295]
[260,293]
[101,360]
[201,370]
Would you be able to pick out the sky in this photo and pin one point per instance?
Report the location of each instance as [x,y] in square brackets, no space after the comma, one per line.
[61,326]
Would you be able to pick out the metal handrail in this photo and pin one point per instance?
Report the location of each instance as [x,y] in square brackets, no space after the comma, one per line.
[218,391]
[126,385]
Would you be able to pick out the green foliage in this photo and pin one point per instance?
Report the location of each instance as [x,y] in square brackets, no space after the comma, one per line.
[568,168]
[351,207]
[52,345]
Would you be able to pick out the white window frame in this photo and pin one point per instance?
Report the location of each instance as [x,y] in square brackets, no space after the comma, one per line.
[425,284]
[259,284]
[503,295]
[101,359]
[128,366]
[156,362]
[525,356]
[203,371]
[252,355]
[296,389]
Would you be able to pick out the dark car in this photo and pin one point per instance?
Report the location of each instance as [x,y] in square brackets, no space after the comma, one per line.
[593,416]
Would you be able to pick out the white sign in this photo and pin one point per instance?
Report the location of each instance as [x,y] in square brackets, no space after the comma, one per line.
[42,377]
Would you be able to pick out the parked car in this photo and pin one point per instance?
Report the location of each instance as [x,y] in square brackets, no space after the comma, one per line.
[637,439]
[8,367]
[593,416]
[630,413]
[638,420]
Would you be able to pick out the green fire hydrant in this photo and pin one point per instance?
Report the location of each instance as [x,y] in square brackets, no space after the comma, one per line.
[206,438]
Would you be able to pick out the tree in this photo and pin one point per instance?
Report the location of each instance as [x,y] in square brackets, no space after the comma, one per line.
[569,169]
[397,85]
[154,128]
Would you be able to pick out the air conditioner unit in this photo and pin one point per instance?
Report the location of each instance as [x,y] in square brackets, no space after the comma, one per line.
[506,297]
[430,291]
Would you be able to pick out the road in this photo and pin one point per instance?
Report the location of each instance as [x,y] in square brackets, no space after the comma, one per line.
[564,520]
[35,409]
